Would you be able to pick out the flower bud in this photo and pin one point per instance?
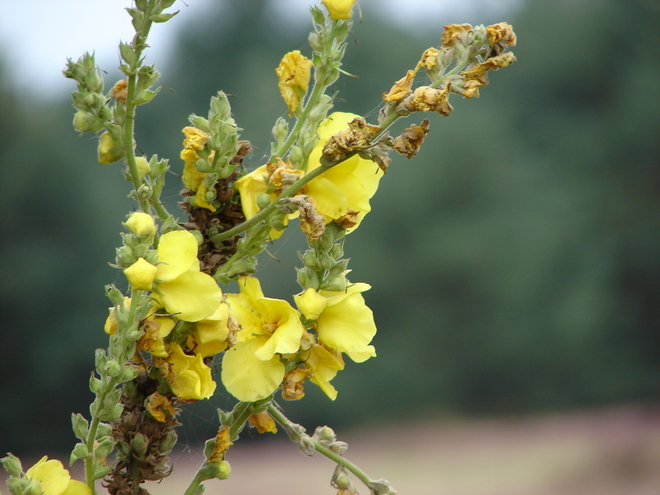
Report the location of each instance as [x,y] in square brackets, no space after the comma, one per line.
[108,151]
[125,256]
[141,275]
[95,384]
[169,442]
[140,223]
[113,368]
[12,465]
[311,260]
[143,166]
[280,130]
[336,284]
[140,444]
[263,200]
[84,121]
[80,451]
[80,426]
[339,447]
[307,278]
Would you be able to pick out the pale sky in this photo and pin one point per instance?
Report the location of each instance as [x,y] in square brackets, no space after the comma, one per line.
[37,36]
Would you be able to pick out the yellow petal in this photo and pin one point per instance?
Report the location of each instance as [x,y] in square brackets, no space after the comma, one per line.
[177,253]
[347,324]
[76,487]
[357,179]
[325,367]
[51,474]
[247,377]
[214,328]
[190,378]
[339,9]
[192,296]
[310,303]
[141,274]
[285,338]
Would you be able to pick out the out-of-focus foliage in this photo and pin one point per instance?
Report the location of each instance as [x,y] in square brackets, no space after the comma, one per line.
[514,261]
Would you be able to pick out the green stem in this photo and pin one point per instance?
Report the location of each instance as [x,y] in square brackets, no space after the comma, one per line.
[322,449]
[194,484]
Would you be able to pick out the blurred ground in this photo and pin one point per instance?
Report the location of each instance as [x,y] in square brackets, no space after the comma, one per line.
[609,452]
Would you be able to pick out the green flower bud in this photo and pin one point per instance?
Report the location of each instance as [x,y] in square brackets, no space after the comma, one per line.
[143,166]
[169,442]
[113,368]
[263,200]
[95,384]
[94,81]
[296,156]
[220,107]
[80,426]
[307,278]
[80,451]
[108,151]
[311,260]
[335,284]
[31,487]
[339,447]
[140,444]
[125,256]
[104,447]
[280,130]
[85,122]
[326,261]
[12,465]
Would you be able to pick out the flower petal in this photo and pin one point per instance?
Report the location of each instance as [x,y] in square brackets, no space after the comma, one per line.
[347,324]
[247,377]
[177,253]
[192,296]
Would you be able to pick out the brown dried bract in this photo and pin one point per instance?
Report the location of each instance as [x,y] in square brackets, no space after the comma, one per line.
[428,99]
[411,139]
[401,88]
[293,384]
[501,36]
[357,137]
[312,223]
[477,76]
[454,32]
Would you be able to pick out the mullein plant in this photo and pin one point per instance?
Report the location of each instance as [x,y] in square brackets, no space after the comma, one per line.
[174,323]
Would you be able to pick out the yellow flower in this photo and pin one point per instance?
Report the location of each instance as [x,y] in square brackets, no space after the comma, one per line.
[339,9]
[140,223]
[181,288]
[195,138]
[251,370]
[293,73]
[345,324]
[324,365]
[192,178]
[346,187]
[111,325]
[190,378]
[141,274]
[249,187]
[55,480]
[156,328]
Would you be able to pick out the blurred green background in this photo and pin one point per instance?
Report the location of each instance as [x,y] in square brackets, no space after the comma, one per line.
[514,261]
